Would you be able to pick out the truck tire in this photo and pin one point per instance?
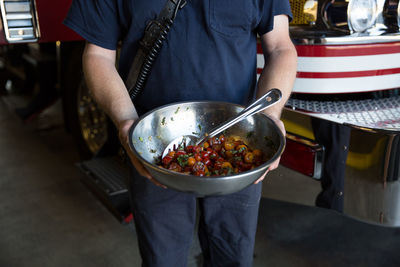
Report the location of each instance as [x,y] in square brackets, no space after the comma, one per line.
[86,122]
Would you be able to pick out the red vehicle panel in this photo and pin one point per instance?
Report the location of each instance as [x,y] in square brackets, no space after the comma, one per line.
[3,40]
[50,23]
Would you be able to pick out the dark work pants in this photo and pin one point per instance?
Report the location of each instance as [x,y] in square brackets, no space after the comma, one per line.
[335,138]
[165,220]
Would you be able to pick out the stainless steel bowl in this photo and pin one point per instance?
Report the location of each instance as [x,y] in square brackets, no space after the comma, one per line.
[156,129]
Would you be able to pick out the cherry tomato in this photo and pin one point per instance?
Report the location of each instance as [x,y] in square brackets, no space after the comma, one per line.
[171,154]
[206,145]
[217,147]
[217,165]
[229,146]
[175,167]
[226,164]
[191,161]
[214,155]
[249,157]
[229,154]
[198,166]
[197,149]
[197,157]
[241,148]
[207,162]
[180,153]
[245,166]
[199,173]
[205,154]
[220,159]
[215,141]
[257,153]
[189,149]
[167,160]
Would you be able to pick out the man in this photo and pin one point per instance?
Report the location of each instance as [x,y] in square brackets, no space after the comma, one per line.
[209,54]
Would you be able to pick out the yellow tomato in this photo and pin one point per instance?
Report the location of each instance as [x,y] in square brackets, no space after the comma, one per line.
[191,161]
[249,157]
[229,146]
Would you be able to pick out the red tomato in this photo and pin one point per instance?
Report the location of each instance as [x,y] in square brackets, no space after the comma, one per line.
[197,149]
[220,159]
[207,161]
[197,157]
[217,147]
[214,155]
[189,149]
[200,173]
[167,160]
[198,166]
[205,154]
[180,153]
[218,165]
[214,141]
[175,167]
[245,166]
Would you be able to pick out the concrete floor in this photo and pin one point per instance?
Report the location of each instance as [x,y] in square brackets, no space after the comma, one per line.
[49,218]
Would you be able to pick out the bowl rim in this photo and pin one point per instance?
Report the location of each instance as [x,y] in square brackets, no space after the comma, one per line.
[280,149]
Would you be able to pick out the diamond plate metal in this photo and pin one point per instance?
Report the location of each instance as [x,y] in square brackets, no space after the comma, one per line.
[383,113]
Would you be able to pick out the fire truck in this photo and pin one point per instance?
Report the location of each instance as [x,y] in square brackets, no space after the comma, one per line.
[348,74]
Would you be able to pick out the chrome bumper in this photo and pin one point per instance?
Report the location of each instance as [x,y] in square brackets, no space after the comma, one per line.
[372,186]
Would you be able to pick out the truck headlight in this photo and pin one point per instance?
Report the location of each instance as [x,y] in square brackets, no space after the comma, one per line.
[361,14]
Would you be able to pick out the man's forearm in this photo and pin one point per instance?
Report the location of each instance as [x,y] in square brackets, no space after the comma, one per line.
[106,85]
[279,72]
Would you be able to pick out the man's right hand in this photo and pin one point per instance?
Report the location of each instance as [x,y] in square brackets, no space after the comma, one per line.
[123,132]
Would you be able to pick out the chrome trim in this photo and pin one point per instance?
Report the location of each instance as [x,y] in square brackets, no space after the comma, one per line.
[17,6]
[347,40]
[19,34]
[386,162]
[27,33]
[16,16]
[318,163]
[371,194]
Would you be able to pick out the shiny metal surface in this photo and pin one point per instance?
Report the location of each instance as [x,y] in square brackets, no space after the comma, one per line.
[19,21]
[92,120]
[156,129]
[376,114]
[269,99]
[310,38]
[333,26]
[372,177]
[372,185]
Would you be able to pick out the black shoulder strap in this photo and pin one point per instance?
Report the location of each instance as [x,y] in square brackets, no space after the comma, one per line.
[151,43]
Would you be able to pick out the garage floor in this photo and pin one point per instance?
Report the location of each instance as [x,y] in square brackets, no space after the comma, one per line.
[49,218]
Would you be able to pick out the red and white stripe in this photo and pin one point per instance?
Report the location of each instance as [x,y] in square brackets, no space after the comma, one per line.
[326,69]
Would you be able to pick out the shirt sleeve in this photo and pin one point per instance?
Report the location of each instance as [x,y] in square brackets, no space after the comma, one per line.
[96,21]
[269,9]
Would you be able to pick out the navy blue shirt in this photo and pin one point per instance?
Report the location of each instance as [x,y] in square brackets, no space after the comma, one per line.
[209,54]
